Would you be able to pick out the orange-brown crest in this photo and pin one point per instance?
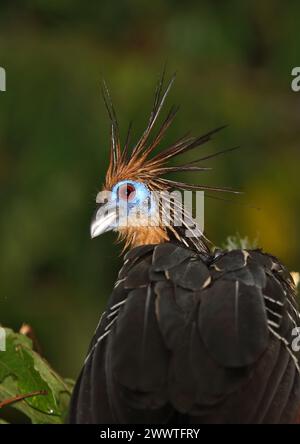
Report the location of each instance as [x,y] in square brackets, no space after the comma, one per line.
[136,165]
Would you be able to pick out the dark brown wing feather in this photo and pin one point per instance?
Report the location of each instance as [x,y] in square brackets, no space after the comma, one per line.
[193,339]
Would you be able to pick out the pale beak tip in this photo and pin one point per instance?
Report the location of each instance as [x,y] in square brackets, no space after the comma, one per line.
[102,223]
[93,231]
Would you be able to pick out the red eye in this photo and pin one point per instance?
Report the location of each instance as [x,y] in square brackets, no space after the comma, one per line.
[127,192]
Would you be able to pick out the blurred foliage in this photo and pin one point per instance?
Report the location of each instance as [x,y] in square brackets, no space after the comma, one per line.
[234,62]
[236,241]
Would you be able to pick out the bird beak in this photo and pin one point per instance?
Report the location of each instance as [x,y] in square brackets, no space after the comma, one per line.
[104,220]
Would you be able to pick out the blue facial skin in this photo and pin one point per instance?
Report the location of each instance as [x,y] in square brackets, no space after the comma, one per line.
[142,200]
[141,193]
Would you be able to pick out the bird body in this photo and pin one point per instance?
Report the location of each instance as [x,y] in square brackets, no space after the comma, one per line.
[190,334]
[193,339]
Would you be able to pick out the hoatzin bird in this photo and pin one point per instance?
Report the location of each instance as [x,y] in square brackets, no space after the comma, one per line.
[191,333]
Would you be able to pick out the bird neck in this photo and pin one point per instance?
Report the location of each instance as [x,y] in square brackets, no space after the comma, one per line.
[136,236]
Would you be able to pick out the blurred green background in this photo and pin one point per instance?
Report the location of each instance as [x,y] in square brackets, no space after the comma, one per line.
[233,61]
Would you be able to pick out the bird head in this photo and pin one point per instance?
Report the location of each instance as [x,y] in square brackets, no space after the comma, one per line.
[134,200]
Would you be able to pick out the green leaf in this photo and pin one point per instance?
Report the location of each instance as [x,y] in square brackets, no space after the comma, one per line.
[22,372]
